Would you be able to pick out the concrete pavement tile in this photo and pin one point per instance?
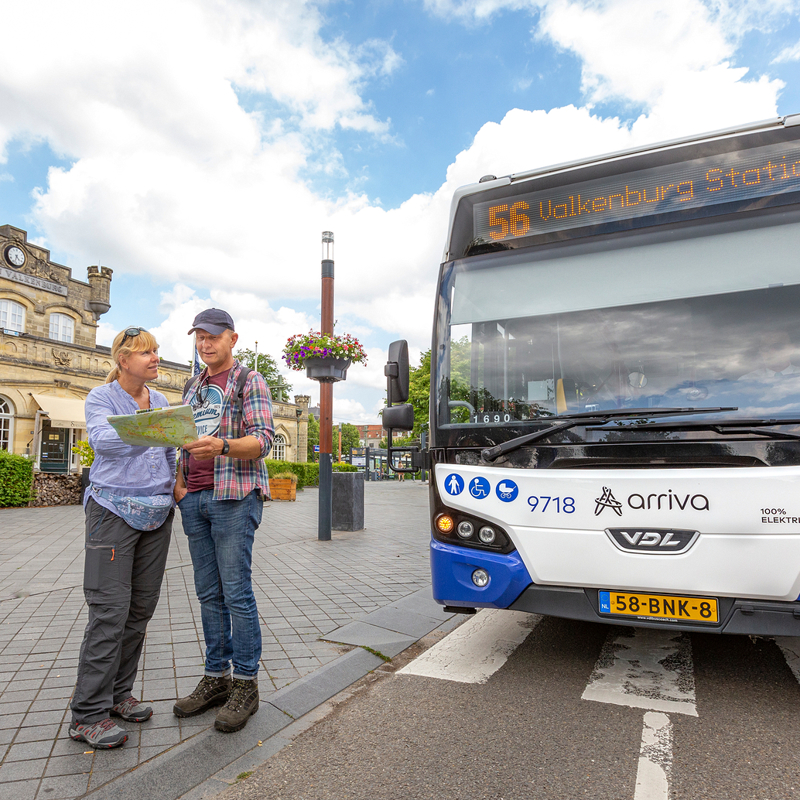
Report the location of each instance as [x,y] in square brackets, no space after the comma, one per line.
[22,770]
[75,764]
[403,621]
[64,786]
[25,751]
[21,790]
[43,717]
[364,635]
[49,705]
[11,720]
[20,706]
[164,736]
[37,733]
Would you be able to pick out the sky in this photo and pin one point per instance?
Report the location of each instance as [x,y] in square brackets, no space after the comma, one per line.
[200,147]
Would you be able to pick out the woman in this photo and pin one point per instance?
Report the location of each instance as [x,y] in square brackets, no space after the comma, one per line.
[129,511]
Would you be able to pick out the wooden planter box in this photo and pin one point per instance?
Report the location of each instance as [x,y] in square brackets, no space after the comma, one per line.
[282,489]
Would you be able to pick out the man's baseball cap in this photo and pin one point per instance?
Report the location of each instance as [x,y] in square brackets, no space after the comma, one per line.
[213,321]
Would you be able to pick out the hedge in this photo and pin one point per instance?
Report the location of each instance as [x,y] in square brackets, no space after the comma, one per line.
[307,471]
[16,480]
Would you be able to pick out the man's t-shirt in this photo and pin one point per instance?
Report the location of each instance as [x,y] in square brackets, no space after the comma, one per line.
[207,416]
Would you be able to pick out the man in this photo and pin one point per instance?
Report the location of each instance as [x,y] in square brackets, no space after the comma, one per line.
[220,490]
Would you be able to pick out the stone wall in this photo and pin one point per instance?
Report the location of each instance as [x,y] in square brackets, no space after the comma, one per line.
[56,490]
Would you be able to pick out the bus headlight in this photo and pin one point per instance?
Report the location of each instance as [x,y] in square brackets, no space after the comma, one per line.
[465,529]
[444,523]
[480,578]
[487,535]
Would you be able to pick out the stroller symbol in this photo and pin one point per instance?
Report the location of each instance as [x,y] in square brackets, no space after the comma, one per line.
[507,490]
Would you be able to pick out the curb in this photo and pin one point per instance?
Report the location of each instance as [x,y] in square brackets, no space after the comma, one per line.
[205,765]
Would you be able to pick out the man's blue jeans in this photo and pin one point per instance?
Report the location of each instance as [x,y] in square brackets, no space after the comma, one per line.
[220,534]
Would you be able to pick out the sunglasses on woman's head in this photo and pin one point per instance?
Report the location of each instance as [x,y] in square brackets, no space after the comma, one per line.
[131,333]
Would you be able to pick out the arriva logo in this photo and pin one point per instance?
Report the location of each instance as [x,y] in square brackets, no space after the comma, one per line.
[666,501]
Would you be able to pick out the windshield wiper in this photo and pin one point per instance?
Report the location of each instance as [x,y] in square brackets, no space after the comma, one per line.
[759,426]
[591,418]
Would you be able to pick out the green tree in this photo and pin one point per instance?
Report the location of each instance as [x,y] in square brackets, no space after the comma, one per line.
[313,437]
[350,439]
[419,393]
[269,369]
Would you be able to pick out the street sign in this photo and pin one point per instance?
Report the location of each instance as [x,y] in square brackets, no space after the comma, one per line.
[316,448]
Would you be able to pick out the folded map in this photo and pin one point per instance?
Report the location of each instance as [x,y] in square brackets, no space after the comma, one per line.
[159,427]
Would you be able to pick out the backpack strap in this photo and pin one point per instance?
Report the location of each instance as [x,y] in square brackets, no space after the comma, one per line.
[238,394]
[188,385]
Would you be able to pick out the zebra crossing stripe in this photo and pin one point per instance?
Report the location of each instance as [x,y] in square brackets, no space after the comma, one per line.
[474,651]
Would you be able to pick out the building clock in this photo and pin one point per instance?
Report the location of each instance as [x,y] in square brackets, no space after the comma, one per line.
[15,256]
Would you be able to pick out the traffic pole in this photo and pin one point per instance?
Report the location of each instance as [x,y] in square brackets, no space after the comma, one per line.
[325,517]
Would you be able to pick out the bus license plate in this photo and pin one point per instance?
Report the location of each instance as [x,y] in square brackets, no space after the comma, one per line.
[659,606]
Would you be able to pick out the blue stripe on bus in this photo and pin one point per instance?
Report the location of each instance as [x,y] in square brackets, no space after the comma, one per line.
[451,572]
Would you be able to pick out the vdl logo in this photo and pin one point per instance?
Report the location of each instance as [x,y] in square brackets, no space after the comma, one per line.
[661,541]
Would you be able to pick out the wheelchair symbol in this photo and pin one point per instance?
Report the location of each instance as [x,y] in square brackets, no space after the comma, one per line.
[479,488]
[507,490]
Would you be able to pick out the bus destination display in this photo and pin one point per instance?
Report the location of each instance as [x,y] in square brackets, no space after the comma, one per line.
[753,174]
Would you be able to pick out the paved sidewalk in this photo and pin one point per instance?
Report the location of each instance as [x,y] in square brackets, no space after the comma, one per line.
[325,608]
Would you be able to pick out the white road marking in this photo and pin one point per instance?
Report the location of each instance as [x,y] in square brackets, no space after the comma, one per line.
[474,651]
[790,647]
[655,758]
[652,669]
[645,668]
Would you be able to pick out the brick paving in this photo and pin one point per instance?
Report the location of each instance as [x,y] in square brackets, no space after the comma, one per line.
[305,589]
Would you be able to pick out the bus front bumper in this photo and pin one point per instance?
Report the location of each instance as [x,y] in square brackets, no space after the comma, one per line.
[510,586]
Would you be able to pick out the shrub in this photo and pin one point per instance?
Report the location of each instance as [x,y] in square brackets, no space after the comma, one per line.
[343,466]
[85,453]
[307,472]
[16,480]
[286,476]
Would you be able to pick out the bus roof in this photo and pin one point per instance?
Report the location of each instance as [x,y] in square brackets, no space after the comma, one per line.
[494,183]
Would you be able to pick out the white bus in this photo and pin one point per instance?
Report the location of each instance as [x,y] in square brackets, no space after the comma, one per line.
[615,388]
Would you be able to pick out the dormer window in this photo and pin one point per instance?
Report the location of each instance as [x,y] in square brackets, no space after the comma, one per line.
[62,328]
[12,316]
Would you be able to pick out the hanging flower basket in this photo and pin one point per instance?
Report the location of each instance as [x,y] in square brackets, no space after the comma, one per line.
[324,357]
[327,370]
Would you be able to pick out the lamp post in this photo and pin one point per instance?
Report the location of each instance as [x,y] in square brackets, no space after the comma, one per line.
[326,400]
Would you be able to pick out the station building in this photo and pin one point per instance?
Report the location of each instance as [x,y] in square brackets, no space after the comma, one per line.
[50,359]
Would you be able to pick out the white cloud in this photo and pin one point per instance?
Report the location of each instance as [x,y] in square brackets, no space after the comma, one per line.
[791,53]
[189,139]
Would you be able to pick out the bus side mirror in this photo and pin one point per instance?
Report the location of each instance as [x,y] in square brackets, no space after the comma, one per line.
[399,418]
[396,372]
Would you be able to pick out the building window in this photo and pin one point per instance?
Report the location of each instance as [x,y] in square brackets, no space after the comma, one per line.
[279,448]
[62,328]
[6,420]
[12,316]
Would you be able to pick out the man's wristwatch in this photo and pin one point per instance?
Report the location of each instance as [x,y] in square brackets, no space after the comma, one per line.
[226,445]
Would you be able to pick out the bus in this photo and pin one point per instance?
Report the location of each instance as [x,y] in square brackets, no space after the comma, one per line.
[615,388]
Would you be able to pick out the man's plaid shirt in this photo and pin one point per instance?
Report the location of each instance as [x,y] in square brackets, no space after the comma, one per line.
[235,478]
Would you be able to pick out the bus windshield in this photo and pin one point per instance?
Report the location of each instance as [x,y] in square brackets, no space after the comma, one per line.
[590,328]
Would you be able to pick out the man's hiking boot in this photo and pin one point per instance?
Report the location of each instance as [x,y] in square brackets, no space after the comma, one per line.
[131,710]
[102,735]
[209,692]
[241,705]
